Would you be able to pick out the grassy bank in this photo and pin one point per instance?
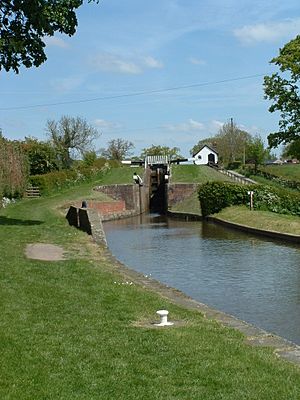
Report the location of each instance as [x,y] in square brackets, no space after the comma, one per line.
[77,328]
[195,174]
[287,171]
[261,219]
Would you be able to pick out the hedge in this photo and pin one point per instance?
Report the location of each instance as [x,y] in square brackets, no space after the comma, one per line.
[66,178]
[214,196]
[13,169]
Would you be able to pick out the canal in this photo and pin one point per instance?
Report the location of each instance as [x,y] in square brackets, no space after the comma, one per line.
[254,279]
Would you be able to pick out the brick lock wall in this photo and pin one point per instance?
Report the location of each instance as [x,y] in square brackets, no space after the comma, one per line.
[105,207]
[180,191]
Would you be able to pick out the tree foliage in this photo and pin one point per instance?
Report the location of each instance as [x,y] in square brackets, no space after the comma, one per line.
[70,134]
[211,142]
[24,24]
[256,151]
[283,90]
[117,149]
[292,149]
[41,156]
[230,143]
[172,152]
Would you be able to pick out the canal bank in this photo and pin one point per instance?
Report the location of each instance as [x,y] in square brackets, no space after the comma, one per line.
[253,335]
[281,236]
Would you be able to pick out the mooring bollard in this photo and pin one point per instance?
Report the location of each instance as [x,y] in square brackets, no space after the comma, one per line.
[163,318]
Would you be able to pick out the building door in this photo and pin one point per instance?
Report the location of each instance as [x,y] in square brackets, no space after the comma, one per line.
[211,158]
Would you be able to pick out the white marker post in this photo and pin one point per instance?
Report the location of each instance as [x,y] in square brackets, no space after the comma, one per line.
[251,199]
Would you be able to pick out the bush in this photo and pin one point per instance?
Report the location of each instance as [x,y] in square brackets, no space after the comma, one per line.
[13,169]
[235,165]
[214,196]
[66,178]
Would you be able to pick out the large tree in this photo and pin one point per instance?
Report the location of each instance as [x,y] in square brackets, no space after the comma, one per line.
[70,134]
[283,90]
[231,142]
[24,24]
[117,149]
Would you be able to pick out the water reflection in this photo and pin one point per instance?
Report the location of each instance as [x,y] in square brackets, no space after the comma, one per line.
[255,279]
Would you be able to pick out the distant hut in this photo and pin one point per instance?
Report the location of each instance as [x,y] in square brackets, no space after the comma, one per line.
[206,155]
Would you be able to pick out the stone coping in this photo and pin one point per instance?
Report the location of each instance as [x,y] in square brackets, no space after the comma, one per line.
[261,232]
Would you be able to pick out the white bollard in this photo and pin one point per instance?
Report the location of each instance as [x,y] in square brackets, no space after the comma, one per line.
[163,318]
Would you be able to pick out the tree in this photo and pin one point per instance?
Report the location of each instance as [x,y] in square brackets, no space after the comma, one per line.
[292,149]
[284,92]
[69,134]
[25,23]
[41,156]
[211,142]
[89,158]
[172,152]
[231,143]
[117,149]
[256,151]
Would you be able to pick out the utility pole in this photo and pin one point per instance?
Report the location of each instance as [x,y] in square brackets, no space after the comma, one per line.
[231,139]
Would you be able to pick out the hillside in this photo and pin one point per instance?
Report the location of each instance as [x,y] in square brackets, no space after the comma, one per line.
[195,174]
[286,171]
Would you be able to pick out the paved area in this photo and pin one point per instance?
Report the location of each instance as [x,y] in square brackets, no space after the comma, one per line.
[44,251]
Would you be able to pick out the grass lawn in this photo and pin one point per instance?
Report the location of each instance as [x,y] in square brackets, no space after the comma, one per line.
[261,219]
[195,174]
[71,330]
[287,171]
[121,175]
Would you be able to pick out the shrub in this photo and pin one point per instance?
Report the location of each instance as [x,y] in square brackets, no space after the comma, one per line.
[66,178]
[214,196]
[13,169]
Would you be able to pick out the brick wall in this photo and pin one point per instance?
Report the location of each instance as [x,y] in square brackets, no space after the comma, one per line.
[180,191]
[105,207]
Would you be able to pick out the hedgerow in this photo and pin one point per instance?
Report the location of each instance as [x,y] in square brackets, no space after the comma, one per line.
[13,169]
[56,180]
[214,196]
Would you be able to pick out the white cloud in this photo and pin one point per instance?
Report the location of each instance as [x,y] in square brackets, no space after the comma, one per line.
[55,42]
[215,126]
[197,61]
[151,62]
[107,125]
[268,32]
[111,63]
[189,126]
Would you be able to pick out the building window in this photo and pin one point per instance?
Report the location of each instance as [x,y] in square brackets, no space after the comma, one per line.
[199,157]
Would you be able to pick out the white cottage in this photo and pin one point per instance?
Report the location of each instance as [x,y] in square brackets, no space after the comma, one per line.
[205,155]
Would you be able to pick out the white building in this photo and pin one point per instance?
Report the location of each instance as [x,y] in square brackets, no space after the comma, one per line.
[205,155]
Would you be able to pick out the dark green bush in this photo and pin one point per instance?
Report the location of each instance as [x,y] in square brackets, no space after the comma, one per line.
[214,196]
[234,165]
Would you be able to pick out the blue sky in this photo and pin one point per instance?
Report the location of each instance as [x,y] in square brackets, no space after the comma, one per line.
[115,70]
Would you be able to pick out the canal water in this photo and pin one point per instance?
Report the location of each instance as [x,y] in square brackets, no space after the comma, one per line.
[255,279]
